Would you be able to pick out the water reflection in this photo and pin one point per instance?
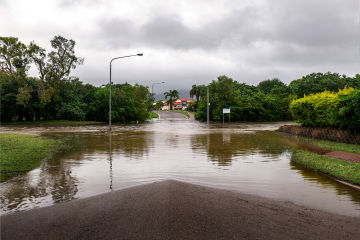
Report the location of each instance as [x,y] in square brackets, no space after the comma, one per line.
[233,157]
[57,179]
[326,182]
[223,148]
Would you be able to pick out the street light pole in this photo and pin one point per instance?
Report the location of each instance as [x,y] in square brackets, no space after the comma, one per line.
[139,54]
[152,86]
[207,105]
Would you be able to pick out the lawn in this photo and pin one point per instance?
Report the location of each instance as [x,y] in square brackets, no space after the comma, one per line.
[20,153]
[340,169]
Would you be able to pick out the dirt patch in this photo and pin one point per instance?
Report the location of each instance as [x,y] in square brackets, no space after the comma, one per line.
[350,157]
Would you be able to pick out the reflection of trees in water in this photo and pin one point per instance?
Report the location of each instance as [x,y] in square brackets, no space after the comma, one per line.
[222,147]
[129,143]
[326,182]
[55,178]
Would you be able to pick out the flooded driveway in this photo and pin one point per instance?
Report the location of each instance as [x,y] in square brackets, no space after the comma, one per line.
[249,158]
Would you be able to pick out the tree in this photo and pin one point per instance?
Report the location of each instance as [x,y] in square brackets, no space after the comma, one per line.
[199,91]
[159,104]
[172,95]
[318,82]
[14,55]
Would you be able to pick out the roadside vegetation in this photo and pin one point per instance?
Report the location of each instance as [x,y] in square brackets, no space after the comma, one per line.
[153,115]
[329,109]
[21,153]
[56,95]
[343,170]
[270,99]
[345,147]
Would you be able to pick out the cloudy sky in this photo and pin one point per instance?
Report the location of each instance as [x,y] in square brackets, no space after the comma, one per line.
[189,42]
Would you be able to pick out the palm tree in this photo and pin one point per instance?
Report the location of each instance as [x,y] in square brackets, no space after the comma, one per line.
[198,91]
[172,95]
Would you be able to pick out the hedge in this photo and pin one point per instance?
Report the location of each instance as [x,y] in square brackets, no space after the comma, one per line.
[329,109]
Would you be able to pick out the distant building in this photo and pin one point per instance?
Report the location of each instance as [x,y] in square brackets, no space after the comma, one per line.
[179,104]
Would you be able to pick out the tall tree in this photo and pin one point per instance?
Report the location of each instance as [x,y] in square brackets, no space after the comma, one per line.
[198,91]
[171,96]
[14,55]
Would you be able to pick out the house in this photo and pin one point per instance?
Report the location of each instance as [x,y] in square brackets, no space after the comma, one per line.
[182,103]
[178,104]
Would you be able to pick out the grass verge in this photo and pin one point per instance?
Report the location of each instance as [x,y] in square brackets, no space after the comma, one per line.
[345,147]
[340,169]
[153,115]
[54,122]
[20,153]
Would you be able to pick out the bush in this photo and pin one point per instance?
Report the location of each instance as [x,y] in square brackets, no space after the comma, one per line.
[329,109]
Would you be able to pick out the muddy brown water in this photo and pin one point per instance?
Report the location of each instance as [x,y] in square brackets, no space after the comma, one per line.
[248,157]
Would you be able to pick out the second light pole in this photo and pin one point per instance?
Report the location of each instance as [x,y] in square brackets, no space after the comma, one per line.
[139,54]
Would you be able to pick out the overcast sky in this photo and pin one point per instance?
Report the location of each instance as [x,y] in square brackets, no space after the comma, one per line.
[188,42]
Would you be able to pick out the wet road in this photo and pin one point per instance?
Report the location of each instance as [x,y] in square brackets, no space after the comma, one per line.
[176,210]
[165,115]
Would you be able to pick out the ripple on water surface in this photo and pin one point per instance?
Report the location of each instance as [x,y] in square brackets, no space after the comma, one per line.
[250,158]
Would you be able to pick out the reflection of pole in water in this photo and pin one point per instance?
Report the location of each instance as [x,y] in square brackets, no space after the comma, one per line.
[110,161]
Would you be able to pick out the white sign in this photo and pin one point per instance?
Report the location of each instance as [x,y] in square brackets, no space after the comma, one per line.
[226,110]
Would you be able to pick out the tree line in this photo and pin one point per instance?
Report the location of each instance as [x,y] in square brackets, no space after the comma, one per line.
[54,94]
[268,101]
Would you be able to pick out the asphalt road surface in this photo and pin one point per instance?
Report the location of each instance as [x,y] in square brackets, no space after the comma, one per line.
[176,210]
[165,115]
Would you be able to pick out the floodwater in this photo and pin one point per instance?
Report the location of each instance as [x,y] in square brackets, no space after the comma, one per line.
[249,158]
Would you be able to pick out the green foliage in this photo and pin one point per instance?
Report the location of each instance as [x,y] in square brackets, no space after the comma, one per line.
[247,103]
[127,104]
[55,94]
[171,95]
[344,170]
[158,105]
[349,112]
[153,115]
[329,109]
[319,82]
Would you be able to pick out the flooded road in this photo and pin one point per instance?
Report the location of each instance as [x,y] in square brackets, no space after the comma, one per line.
[249,158]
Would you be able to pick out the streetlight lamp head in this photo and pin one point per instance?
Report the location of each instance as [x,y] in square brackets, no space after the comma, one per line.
[140,54]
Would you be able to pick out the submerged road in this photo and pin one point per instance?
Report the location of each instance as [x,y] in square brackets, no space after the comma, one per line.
[177,210]
[166,115]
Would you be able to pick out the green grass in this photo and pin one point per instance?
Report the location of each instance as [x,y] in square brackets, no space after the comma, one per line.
[353,148]
[340,169]
[20,153]
[54,122]
[153,115]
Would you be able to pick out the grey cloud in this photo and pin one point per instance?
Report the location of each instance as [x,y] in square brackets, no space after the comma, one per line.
[170,32]
[316,23]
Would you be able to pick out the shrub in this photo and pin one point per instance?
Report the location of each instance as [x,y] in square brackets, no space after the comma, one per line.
[329,109]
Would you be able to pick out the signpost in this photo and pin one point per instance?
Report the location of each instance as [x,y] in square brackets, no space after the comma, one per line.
[226,110]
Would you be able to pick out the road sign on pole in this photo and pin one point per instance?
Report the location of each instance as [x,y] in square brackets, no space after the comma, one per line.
[226,110]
